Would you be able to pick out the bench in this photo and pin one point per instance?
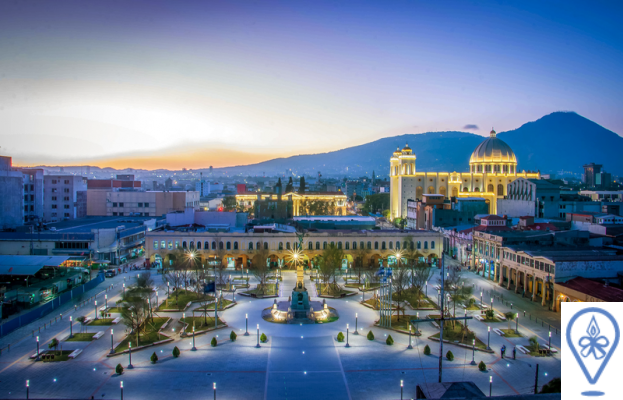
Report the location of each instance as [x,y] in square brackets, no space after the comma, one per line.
[103,308]
[98,335]
[116,320]
[522,349]
[479,318]
[499,332]
[500,317]
[75,353]
[87,320]
[35,355]
[553,350]
[435,324]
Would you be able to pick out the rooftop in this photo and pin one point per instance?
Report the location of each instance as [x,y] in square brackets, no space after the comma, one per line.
[28,265]
[88,223]
[563,253]
[594,289]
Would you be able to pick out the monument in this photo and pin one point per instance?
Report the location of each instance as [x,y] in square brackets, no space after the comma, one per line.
[299,304]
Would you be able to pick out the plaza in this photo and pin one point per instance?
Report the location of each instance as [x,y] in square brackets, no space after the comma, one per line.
[297,361]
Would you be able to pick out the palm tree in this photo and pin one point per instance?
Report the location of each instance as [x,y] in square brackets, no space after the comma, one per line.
[510,316]
[82,320]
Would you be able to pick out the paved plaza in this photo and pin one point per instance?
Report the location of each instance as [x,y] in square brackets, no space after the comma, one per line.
[298,361]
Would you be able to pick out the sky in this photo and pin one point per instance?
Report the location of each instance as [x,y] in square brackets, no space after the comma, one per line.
[173,84]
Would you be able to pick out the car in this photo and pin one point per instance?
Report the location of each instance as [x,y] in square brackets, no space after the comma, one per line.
[111,273]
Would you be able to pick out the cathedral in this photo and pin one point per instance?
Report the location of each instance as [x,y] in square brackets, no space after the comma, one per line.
[492,167]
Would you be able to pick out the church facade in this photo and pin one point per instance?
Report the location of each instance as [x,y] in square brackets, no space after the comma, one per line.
[492,166]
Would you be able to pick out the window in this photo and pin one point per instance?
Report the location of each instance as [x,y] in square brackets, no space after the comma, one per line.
[426,245]
[114,213]
[66,181]
[257,246]
[346,245]
[228,245]
[155,245]
[53,181]
[66,190]
[66,206]
[114,204]
[432,244]
[250,245]
[339,245]
[287,245]
[355,245]
[184,244]
[163,245]
[53,198]
[280,245]
[419,245]
[317,245]
[120,204]
[235,245]
[310,245]
[146,204]
[376,245]
[265,245]
[397,245]
[324,245]
[54,190]
[54,214]
[220,245]
[369,245]
[140,204]
[199,245]
[66,198]
[170,245]
[206,244]
[54,206]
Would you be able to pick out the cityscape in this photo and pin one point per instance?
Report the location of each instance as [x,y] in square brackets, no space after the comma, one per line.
[305,200]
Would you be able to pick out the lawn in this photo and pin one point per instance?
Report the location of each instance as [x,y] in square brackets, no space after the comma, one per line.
[200,323]
[402,322]
[183,297]
[150,335]
[81,337]
[269,290]
[473,307]
[101,321]
[115,310]
[210,306]
[455,334]
[511,333]
[322,290]
[59,355]
[375,303]
[412,296]
[492,320]
[268,317]
[359,285]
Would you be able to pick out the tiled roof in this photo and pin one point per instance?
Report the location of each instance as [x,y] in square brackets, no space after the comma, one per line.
[594,289]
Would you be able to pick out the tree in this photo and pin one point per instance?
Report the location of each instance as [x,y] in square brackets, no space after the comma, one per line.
[134,313]
[144,280]
[289,186]
[119,369]
[553,386]
[263,338]
[482,366]
[214,342]
[176,352]
[153,358]
[376,203]
[449,356]
[426,350]
[340,337]
[421,273]
[82,321]
[302,185]
[259,268]
[233,336]
[278,187]
[360,257]
[454,285]
[510,317]
[400,283]
[53,344]
[370,335]
[329,262]
[229,203]
[390,340]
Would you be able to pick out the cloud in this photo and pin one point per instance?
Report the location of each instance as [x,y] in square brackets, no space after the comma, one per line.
[471,127]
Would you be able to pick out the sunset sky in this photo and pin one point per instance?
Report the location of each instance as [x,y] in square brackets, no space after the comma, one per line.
[172,84]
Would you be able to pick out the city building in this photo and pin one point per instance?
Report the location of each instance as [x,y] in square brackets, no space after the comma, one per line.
[11,195]
[586,290]
[435,211]
[531,197]
[352,222]
[604,195]
[138,203]
[590,170]
[492,166]
[64,197]
[331,203]
[33,194]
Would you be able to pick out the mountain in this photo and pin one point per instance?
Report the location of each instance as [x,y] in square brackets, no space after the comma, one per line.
[558,141]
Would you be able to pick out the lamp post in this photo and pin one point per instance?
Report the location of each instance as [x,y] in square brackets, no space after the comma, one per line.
[71,330]
[549,344]
[258,336]
[106,299]
[356,325]
[130,366]
[111,341]
[492,304]
[473,351]
[121,385]
[481,298]
[490,385]
[37,359]
[517,324]
[347,344]
[214,387]
[95,309]
[401,389]
[27,388]
[426,289]
[409,347]
[124,290]
[194,348]
[488,337]
[246,318]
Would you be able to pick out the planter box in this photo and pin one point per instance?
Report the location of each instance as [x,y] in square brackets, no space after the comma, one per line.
[98,335]
[461,345]
[75,353]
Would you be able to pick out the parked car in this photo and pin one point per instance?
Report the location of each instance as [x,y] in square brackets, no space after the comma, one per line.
[111,273]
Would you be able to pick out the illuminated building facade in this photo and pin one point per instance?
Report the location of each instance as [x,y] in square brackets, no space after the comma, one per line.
[492,166]
[330,203]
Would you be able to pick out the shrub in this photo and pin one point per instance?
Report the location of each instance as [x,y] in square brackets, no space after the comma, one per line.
[389,340]
[482,366]
[154,358]
[490,314]
[340,337]
[176,352]
[553,386]
[449,355]
[263,338]
[213,342]
[427,350]
[370,335]
[119,369]
[233,336]
[53,344]
[534,343]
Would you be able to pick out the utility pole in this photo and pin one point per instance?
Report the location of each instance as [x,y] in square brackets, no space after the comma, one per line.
[441,320]
[536,380]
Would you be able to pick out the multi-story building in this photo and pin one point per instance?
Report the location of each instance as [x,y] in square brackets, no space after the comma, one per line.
[61,197]
[435,211]
[11,195]
[590,170]
[236,249]
[335,202]
[139,203]
[33,194]
[492,166]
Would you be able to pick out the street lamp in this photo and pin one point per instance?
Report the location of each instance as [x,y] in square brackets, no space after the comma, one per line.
[426,289]
[214,387]
[27,388]
[246,318]
[95,309]
[356,326]
[37,359]
[124,290]
[549,344]
[481,298]
[194,348]
[71,331]
[347,344]
[492,304]
[106,298]
[130,366]
[258,336]
[473,351]
[111,341]
[121,385]
[490,384]
[409,347]
[401,389]
[488,337]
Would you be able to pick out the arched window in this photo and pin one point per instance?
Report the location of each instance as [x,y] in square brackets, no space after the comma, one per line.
[191,246]
[339,245]
[206,245]
[431,190]
[317,245]
[412,245]
[500,190]
[370,245]
[280,245]
[490,188]
[250,245]
[383,245]
[228,245]
[426,245]
[287,245]
[324,245]
[361,245]
[442,191]
[171,245]
[310,245]
[198,245]
[220,245]
[235,245]
[465,190]
[419,192]
[346,245]
[432,244]
[265,245]
[419,245]
[476,189]
[332,244]
[184,244]
[455,192]
[376,245]
[258,246]
[397,245]
[391,245]
[213,245]
[354,245]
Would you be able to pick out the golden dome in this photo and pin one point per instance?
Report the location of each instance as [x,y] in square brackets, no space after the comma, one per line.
[493,150]
[397,152]
[407,150]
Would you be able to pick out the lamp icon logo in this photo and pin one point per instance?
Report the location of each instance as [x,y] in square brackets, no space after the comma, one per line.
[593,335]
